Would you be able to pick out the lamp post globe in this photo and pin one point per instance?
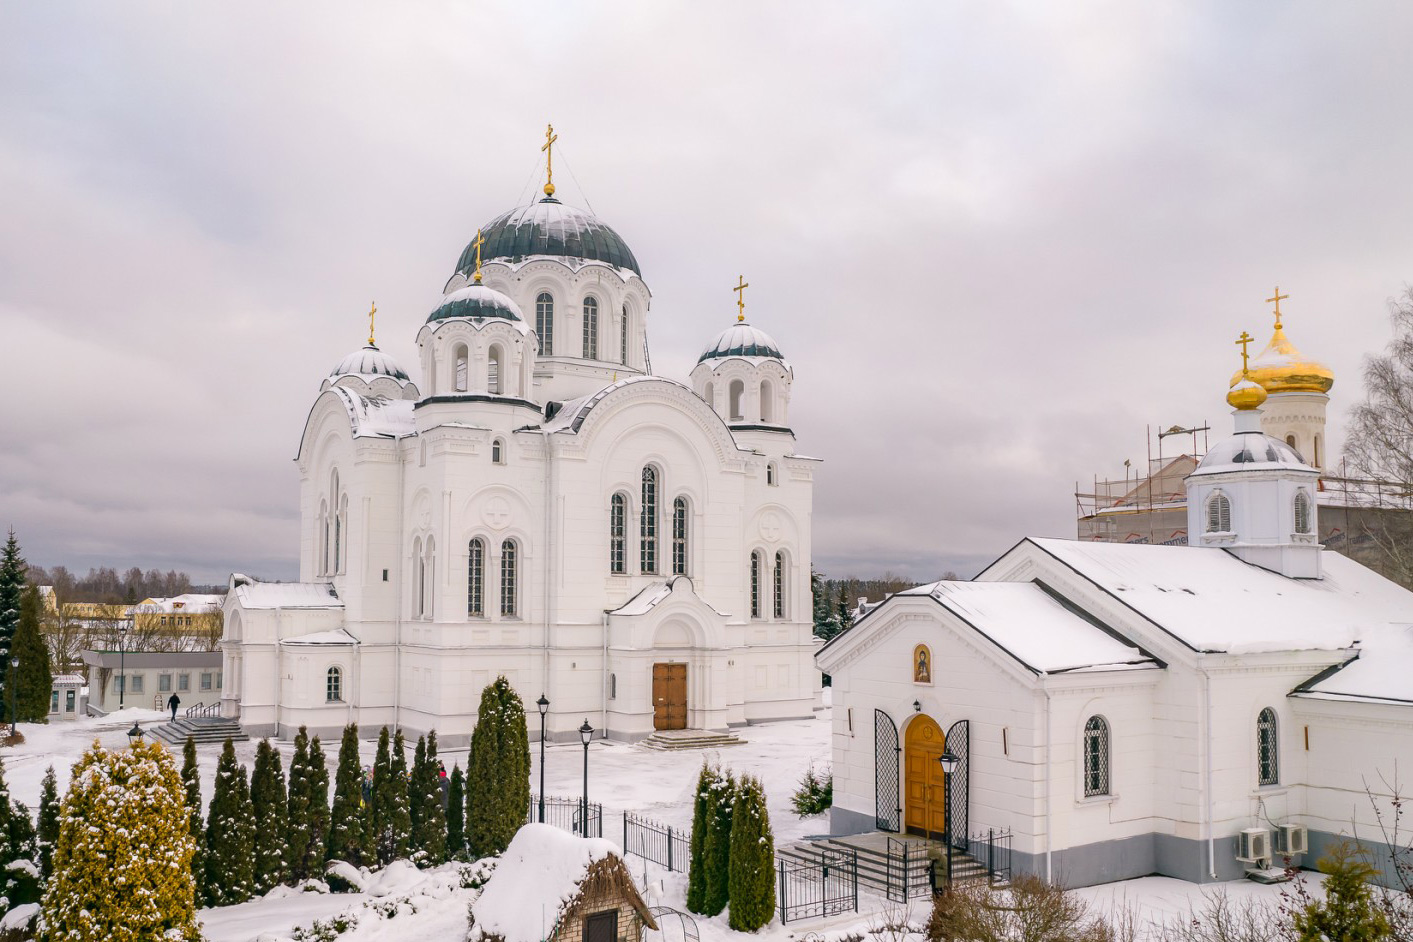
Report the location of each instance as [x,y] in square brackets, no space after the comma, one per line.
[949,762]
[543,704]
[586,735]
[135,734]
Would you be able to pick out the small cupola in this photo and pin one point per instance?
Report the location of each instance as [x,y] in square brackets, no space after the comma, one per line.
[743,375]
[370,371]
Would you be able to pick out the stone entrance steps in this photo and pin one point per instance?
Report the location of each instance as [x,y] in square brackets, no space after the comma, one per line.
[874,868]
[674,740]
[205,729]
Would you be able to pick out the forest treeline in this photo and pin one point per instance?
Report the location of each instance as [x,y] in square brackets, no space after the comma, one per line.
[105,584]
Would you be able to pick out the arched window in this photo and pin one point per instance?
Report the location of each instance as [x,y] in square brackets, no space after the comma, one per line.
[709,394]
[679,536]
[770,478]
[324,538]
[419,576]
[1317,451]
[736,395]
[647,522]
[613,686]
[508,586]
[333,686]
[1290,440]
[476,578]
[463,366]
[1267,749]
[497,451]
[1218,514]
[1096,757]
[428,570]
[922,665]
[779,606]
[618,534]
[340,528]
[495,372]
[755,583]
[591,329]
[767,402]
[623,338]
[544,323]
[1302,512]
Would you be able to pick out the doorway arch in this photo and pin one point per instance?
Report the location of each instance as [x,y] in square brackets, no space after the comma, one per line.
[924,786]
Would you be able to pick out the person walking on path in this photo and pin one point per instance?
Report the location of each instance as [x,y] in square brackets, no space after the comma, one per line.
[174,701]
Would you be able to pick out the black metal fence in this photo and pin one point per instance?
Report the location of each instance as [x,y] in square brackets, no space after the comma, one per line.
[662,844]
[565,814]
[992,848]
[824,886]
[907,870]
[988,858]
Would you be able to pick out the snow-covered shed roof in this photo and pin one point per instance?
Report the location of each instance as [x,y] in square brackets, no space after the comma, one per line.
[1034,627]
[1210,600]
[536,880]
[251,593]
[1381,672]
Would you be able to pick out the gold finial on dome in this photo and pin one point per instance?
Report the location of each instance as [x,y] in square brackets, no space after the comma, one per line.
[1245,394]
[480,241]
[371,311]
[1281,368]
[548,148]
[1276,299]
[740,290]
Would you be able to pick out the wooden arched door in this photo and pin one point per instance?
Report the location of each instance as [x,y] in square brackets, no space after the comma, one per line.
[924,790]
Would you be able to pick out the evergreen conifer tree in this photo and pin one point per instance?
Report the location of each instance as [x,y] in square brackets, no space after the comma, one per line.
[191,780]
[271,806]
[230,834]
[497,771]
[122,863]
[752,881]
[425,800]
[48,822]
[317,817]
[392,825]
[843,613]
[299,806]
[12,584]
[1349,911]
[701,817]
[456,816]
[346,823]
[33,680]
[716,845]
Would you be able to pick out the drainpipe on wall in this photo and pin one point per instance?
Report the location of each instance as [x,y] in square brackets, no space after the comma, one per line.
[548,553]
[1049,790]
[397,602]
[603,672]
[1207,772]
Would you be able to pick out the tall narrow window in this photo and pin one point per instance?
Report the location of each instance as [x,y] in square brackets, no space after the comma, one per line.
[338,534]
[507,578]
[333,686]
[1302,512]
[736,400]
[497,451]
[1317,451]
[324,539]
[755,584]
[1096,757]
[495,375]
[419,573]
[476,578]
[463,369]
[429,578]
[618,534]
[779,602]
[1218,514]
[591,329]
[1267,749]
[544,323]
[623,338]
[647,524]
[767,402]
[679,536]
[770,474]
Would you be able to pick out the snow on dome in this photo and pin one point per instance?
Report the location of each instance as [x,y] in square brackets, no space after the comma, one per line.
[476,301]
[549,227]
[370,362]
[742,340]
[1251,451]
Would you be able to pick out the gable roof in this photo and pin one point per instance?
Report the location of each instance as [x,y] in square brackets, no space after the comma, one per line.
[251,593]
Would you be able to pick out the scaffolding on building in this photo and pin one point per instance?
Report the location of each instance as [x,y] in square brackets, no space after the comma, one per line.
[1148,504]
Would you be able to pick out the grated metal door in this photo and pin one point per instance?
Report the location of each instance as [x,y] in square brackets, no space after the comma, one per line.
[888,810]
[959,744]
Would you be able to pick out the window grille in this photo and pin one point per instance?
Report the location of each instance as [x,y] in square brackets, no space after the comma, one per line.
[1096,757]
[618,534]
[164,683]
[544,323]
[755,584]
[591,329]
[476,578]
[1267,749]
[183,682]
[1218,514]
[497,452]
[333,686]
[647,525]
[623,338]
[1302,512]
[770,474]
[338,543]
[137,680]
[507,578]
[205,681]
[679,536]
[779,585]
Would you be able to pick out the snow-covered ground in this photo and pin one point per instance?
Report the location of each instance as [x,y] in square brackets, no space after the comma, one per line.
[625,778]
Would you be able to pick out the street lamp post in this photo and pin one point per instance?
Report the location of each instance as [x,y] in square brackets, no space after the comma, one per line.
[14,675]
[122,664]
[543,704]
[586,733]
[134,734]
[949,762]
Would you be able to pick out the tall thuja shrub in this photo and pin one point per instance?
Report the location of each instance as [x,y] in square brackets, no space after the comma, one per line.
[347,838]
[12,584]
[18,884]
[456,815]
[122,863]
[716,845]
[429,835]
[701,818]
[497,771]
[298,810]
[230,834]
[392,825]
[317,819]
[271,805]
[191,785]
[48,822]
[1350,911]
[34,682]
[752,881]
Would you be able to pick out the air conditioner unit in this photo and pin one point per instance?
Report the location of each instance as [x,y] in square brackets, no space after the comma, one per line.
[1254,845]
[1292,839]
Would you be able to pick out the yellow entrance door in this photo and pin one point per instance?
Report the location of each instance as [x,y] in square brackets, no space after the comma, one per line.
[924,791]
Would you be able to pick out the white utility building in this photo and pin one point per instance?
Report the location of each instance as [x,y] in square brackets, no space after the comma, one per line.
[539,505]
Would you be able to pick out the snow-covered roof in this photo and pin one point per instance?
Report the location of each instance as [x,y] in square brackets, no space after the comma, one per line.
[742,340]
[534,881]
[1212,601]
[251,593]
[1382,671]
[573,412]
[376,416]
[1036,629]
[337,636]
[655,592]
[369,363]
[69,680]
[189,604]
[551,228]
[1250,451]
[476,301]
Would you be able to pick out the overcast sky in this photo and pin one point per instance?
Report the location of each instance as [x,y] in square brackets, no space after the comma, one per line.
[994,241]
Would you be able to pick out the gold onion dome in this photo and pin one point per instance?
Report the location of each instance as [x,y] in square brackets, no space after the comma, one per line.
[1246,394]
[1281,368]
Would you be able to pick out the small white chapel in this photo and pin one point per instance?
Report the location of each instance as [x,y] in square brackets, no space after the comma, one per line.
[539,504]
[1126,709]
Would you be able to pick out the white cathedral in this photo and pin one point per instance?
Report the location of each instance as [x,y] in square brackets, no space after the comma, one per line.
[540,506]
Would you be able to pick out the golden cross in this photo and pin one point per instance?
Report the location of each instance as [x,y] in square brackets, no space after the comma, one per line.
[1242,341]
[478,243]
[1277,301]
[371,311]
[740,290]
[550,138]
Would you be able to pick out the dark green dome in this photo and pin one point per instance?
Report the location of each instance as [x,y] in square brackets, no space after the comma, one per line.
[549,228]
[742,340]
[476,301]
